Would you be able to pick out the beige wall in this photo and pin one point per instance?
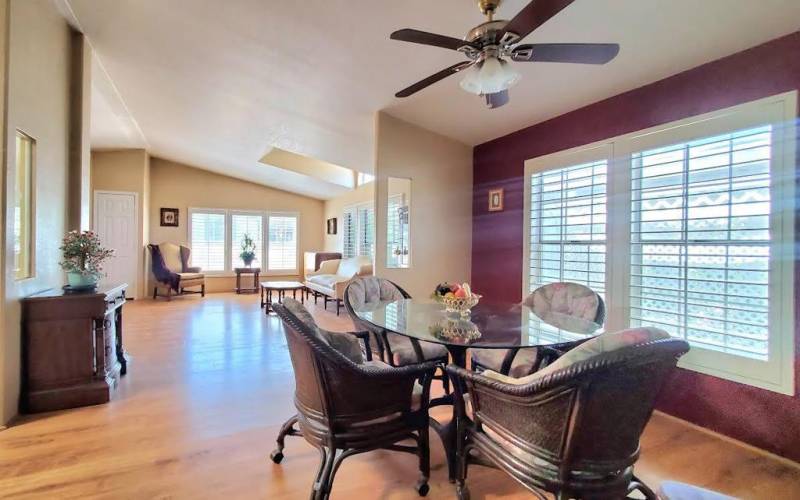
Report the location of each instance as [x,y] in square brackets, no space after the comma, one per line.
[38,104]
[175,185]
[440,170]
[127,170]
[78,211]
[335,208]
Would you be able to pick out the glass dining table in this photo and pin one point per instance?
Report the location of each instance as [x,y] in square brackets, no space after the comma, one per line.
[489,325]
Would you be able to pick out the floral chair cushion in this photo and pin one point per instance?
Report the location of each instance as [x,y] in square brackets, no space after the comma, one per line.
[567,299]
[604,343]
[344,343]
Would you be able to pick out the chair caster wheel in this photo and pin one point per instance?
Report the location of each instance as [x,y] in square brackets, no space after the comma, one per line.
[462,492]
[423,488]
[276,456]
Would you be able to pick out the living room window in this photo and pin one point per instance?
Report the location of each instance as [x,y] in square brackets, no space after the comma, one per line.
[282,246]
[688,227]
[216,236]
[208,239]
[358,230]
[251,225]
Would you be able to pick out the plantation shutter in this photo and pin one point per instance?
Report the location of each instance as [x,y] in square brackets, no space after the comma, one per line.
[282,250]
[366,231]
[568,226]
[348,233]
[700,241]
[252,225]
[208,240]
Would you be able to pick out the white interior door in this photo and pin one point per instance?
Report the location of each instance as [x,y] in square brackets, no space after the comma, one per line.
[115,222]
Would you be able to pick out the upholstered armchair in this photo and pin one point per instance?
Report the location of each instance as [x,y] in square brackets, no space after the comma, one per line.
[171,271]
[572,428]
[576,307]
[348,405]
[364,293]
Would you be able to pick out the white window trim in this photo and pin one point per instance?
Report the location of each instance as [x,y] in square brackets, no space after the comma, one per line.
[265,214]
[777,374]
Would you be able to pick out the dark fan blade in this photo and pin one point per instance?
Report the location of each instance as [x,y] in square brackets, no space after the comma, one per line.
[534,15]
[452,70]
[583,53]
[496,100]
[425,38]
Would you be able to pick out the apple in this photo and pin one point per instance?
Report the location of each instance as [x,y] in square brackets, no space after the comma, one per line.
[461,293]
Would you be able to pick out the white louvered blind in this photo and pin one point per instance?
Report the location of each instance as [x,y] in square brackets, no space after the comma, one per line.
[700,241]
[252,225]
[568,226]
[208,240]
[282,249]
[348,233]
[366,231]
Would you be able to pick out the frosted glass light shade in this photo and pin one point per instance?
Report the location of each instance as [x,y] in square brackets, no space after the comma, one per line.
[489,76]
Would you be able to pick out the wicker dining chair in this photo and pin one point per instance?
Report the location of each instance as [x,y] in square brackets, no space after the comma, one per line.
[366,292]
[572,428]
[346,405]
[563,300]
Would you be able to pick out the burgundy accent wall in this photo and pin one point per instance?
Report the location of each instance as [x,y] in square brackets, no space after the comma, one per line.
[762,418]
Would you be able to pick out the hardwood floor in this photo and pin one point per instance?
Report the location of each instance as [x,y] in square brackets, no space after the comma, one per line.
[210,383]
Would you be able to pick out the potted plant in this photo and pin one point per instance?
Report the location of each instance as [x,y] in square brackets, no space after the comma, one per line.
[83,258]
[248,254]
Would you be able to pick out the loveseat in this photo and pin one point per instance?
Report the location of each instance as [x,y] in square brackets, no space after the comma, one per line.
[333,276]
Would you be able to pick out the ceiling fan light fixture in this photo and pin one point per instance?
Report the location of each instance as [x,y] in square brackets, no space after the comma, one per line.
[472,79]
[490,76]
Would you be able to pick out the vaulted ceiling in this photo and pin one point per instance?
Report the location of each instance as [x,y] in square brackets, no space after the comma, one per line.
[219,84]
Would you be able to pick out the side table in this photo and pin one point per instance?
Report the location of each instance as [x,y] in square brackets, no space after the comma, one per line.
[255,271]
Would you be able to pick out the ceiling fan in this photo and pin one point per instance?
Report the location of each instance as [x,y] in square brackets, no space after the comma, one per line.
[490,44]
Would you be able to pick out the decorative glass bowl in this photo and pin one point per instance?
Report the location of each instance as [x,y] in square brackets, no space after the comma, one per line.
[461,305]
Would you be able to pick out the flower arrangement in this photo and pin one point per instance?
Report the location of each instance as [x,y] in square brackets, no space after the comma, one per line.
[248,253]
[83,257]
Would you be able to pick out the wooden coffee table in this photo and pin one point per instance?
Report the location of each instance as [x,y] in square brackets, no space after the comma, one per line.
[267,287]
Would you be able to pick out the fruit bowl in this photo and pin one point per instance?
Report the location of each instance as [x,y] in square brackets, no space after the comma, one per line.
[461,305]
[456,298]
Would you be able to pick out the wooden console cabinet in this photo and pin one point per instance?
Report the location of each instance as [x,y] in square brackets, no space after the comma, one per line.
[72,348]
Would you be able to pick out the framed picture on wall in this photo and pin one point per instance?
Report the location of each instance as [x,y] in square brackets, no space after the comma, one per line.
[332,225]
[496,200]
[169,217]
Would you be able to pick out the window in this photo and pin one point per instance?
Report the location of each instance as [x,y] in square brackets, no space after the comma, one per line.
[363,178]
[358,230]
[349,233]
[216,239]
[568,226]
[208,240]
[700,241]
[23,207]
[366,230]
[688,227]
[282,250]
[251,225]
